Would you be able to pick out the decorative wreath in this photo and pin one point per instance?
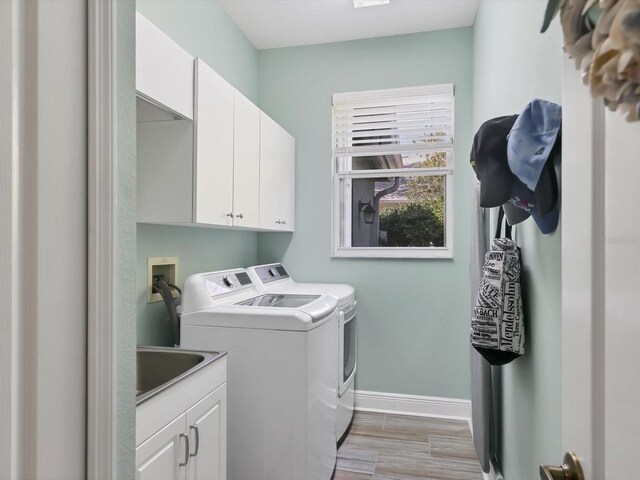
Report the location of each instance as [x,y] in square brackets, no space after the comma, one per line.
[603,36]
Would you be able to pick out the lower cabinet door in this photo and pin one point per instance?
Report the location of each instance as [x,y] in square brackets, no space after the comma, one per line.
[159,457]
[207,427]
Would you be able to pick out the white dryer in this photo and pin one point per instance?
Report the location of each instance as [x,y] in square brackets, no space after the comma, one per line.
[282,352]
[274,278]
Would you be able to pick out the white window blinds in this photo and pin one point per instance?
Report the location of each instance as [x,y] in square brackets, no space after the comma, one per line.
[395,121]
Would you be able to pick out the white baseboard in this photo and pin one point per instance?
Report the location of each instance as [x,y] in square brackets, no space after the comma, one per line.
[419,406]
[416,405]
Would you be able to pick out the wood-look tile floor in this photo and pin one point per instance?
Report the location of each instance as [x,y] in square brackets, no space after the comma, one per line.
[395,447]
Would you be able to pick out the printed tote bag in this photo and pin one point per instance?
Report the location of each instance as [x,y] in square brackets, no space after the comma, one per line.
[497,329]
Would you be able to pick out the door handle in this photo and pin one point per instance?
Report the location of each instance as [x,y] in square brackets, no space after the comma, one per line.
[571,470]
[230,215]
[240,216]
[186,450]
[195,428]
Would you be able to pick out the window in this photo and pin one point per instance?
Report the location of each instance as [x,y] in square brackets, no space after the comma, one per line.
[393,172]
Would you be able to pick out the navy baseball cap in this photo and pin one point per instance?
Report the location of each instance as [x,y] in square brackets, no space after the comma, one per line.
[525,199]
[531,145]
[514,214]
[490,162]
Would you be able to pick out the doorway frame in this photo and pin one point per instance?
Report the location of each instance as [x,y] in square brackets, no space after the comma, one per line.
[583,273]
[43,238]
[101,312]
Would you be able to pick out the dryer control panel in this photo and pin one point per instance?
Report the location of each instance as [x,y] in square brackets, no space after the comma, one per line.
[271,273]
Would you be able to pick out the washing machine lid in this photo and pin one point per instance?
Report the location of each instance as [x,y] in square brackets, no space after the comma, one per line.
[279,300]
[228,299]
[274,278]
[305,318]
[343,293]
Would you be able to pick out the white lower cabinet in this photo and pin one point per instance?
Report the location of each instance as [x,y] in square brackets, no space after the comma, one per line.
[207,426]
[181,433]
[193,446]
[159,457]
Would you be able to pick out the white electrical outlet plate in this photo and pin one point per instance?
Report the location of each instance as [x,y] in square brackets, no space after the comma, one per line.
[165,266]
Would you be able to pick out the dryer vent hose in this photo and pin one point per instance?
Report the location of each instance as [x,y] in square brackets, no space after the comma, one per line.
[164,289]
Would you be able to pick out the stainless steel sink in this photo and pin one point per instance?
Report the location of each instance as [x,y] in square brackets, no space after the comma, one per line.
[159,368]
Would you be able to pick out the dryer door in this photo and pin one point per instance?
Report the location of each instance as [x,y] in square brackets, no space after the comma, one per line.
[348,348]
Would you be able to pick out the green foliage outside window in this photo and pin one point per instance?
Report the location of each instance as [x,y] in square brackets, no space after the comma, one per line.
[419,223]
[412,225]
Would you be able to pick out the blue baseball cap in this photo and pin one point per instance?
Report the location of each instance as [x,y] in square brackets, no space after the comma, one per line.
[525,199]
[531,140]
[531,145]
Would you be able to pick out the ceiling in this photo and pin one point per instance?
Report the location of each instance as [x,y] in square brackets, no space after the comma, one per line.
[287,23]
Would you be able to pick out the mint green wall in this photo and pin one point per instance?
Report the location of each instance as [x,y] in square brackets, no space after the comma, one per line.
[513,63]
[203,29]
[125,241]
[413,314]
[199,250]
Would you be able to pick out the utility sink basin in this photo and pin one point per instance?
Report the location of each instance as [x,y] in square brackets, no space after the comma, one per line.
[159,368]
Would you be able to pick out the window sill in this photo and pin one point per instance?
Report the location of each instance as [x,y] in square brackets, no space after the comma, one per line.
[415,253]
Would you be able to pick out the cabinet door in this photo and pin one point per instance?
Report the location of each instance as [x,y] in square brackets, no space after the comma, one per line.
[160,456]
[277,157]
[207,424]
[214,147]
[270,176]
[288,181]
[246,162]
[164,71]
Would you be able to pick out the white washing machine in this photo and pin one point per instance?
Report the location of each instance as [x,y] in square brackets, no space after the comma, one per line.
[274,278]
[282,352]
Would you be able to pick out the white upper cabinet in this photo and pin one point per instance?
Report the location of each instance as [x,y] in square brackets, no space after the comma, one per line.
[277,175]
[164,71]
[214,147]
[206,155]
[270,178]
[246,163]
[288,181]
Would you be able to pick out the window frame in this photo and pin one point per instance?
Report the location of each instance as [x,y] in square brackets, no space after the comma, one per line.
[337,221]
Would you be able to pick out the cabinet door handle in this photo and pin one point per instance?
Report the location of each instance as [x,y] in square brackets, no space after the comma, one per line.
[284,222]
[239,215]
[230,215]
[278,222]
[195,428]
[186,449]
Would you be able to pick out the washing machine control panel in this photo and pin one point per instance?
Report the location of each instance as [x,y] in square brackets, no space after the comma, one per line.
[271,273]
[221,283]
